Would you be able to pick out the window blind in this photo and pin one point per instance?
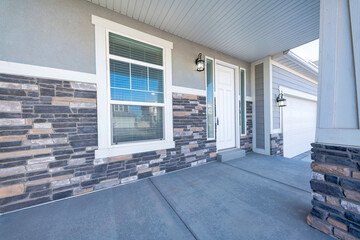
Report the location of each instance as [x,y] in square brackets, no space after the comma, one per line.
[130,48]
[135,123]
[140,83]
[131,82]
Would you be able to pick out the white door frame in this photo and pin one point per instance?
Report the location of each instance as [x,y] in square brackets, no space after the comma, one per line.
[236,97]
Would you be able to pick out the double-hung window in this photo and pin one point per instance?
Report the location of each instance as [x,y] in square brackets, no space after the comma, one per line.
[136,84]
[136,90]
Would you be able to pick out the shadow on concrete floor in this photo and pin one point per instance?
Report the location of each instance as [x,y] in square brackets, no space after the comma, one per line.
[306,157]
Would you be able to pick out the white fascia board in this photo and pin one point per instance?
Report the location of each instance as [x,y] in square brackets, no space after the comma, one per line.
[28,70]
[302,62]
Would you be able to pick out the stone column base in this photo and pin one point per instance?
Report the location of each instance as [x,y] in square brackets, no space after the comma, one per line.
[335,183]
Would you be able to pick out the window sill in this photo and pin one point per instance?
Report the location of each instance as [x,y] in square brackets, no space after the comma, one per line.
[124,149]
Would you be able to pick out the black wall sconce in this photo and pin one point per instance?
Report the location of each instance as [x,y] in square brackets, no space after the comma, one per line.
[200,64]
[281,101]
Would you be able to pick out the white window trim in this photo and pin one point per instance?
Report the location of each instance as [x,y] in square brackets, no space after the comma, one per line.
[249,99]
[190,91]
[105,148]
[213,60]
[240,97]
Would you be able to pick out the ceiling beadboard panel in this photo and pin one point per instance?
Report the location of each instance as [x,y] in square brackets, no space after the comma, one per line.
[247,29]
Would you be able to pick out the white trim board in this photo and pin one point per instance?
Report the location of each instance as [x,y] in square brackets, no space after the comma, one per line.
[135,147]
[270,97]
[297,94]
[245,100]
[191,91]
[248,99]
[28,70]
[338,136]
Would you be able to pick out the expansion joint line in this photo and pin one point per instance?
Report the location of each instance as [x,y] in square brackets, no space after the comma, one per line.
[273,180]
[182,220]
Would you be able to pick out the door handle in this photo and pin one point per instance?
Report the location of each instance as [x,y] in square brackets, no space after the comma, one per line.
[217,121]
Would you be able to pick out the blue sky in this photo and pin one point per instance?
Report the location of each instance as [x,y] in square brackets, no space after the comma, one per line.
[309,51]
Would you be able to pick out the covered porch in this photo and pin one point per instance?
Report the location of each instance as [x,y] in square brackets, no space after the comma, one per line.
[256,197]
[57,115]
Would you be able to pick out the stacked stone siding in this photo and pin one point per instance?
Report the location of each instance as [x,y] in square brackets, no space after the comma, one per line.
[246,141]
[336,191]
[48,138]
[277,144]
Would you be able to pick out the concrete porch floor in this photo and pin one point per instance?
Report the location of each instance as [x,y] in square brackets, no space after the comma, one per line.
[256,197]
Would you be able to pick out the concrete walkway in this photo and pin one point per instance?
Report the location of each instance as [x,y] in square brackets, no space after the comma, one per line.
[256,197]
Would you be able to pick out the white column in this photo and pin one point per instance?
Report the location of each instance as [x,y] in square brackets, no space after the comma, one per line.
[339,77]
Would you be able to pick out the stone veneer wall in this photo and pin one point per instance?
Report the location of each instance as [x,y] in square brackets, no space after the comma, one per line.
[336,191]
[246,141]
[48,137]
[277,144]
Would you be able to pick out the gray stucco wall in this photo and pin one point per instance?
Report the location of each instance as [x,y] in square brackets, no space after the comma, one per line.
[259,106]
[281,77]
[59,34]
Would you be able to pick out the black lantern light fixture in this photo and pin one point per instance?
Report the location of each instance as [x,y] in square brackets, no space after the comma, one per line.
[281,101]
[200,64]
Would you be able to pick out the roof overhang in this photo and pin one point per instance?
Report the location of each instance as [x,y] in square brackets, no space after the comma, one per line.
[296,63]
[248,29]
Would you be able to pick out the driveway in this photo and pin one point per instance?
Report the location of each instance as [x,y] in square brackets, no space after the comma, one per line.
[256,197]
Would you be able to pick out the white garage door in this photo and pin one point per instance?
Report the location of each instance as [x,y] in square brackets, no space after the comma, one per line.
[299,125]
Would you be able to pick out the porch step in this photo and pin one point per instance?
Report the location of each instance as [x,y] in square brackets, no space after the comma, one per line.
[232,154]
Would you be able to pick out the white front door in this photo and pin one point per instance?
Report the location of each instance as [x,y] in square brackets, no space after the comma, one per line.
[225,107]
[299,125]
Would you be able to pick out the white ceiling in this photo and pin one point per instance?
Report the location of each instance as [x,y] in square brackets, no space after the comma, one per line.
[247,29]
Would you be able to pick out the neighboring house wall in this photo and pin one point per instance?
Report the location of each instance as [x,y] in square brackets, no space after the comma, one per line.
[269,77]
[259,106]
[282,77]
[59,34]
